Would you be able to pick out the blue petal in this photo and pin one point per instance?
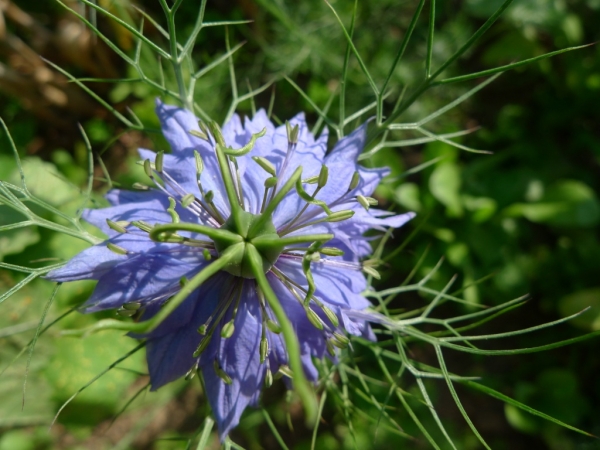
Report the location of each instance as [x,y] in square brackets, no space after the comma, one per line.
[144,277]
[92,263]
[171,346]
[176,125]
[335,285]
[149,206]
[239,357]
[182,168]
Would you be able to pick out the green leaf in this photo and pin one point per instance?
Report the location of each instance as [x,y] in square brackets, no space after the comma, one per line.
[567,203]
[17,239]
[579,300]
[444,184]
[76,361]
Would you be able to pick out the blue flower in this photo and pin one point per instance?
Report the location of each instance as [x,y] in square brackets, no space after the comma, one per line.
[227,247]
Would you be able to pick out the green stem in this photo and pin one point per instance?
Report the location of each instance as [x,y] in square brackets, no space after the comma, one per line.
[213,233]
[429,82]
[226,257]
[301,385]
[174,57]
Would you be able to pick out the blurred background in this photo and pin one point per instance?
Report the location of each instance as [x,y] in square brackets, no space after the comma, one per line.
[521,221]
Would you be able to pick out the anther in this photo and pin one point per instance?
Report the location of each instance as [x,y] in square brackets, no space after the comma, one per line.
[199,163]
[125,312]
[158,161]
[202,329]
[202,346]
[331,251]
[339,216]
[132,306]
[117,249]
[371,271]
[140,187]
[268,378]
[330,347]
[285,370]
[292,133]
[187,200]
[198,134]
[265,164]
[323,175]
[270,182]
[366,202]
[264,349]
[273,326]
[206,254]
[221,373]
[354,181]
[216,132]
[339,340]
[311,180]
[148,168]
[117,226]
[330,315]
[191,373]
[204,128]
[314,318]
[228,329]
[144,226]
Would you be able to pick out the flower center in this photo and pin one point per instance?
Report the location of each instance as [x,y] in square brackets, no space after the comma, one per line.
[264,238]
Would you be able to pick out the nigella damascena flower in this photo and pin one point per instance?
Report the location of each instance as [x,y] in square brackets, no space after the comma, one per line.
[244,232]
